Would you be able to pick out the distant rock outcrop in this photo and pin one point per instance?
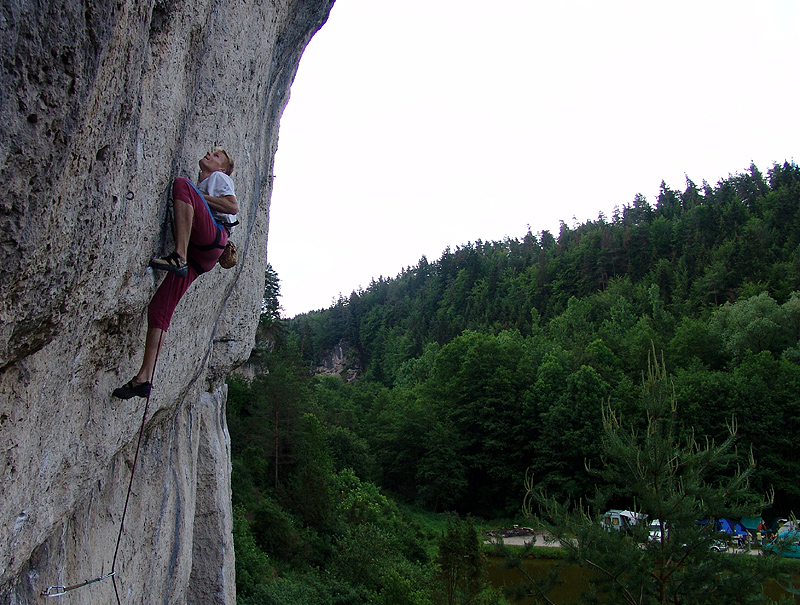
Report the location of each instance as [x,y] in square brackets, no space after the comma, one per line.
[342,361]
[102,104]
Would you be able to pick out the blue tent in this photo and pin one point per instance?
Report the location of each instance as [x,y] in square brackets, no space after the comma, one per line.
[731,527]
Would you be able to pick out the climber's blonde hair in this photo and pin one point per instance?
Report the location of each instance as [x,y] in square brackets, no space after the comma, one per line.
[229,169]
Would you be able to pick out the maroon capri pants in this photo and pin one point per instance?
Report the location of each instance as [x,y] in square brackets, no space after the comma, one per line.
[205,231]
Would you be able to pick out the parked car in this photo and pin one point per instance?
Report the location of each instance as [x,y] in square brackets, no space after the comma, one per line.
[656,527]
[655,530]
[719,546]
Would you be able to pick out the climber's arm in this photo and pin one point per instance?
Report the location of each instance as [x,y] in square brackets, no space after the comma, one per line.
[226,203]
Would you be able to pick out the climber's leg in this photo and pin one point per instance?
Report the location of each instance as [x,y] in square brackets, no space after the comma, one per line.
[193,224]
[183,201]
[159,315]
[140,385]
[152,346]
[184,218]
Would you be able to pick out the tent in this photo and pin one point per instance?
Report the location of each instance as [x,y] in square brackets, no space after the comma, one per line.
[778,523]
[731,527]
[753,524]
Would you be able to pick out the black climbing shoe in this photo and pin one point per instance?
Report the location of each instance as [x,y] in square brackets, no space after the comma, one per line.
[132,389]
[172,263]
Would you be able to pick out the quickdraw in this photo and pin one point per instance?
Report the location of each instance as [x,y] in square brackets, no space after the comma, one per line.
[58,591]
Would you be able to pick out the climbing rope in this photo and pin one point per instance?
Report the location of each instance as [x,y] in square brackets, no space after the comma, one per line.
[136,458]
[60,591]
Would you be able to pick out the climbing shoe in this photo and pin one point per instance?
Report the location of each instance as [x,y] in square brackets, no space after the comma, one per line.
[132,389]
[172,263]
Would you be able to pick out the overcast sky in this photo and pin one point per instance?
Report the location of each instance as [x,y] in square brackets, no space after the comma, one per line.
[422,124]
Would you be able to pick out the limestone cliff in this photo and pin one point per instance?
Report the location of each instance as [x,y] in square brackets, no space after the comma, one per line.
[102,103]
[341,360]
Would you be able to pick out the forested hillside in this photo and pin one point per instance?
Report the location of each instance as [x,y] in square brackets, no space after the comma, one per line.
[496,357]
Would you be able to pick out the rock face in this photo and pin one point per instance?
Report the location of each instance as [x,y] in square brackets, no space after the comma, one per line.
[341,360]
[102,104]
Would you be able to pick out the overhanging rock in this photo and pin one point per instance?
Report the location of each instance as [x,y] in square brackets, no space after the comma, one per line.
[102,104]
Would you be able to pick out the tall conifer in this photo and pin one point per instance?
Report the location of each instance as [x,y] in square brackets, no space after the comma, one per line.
[655,467]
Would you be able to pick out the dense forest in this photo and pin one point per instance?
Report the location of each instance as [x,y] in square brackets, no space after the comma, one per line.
[498,360]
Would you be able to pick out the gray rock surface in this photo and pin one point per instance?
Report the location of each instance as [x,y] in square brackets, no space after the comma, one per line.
[340,360]
[102,104]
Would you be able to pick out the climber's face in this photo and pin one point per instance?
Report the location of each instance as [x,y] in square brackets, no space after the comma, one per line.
[213,161]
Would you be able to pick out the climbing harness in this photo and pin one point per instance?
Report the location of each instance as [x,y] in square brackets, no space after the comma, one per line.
[229,256]
[60,591]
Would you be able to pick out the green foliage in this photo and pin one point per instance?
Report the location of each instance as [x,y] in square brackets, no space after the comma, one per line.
[270,306]
[309,587]
[370,556]
[477,382]
[252,563]
[695,247]
[460,576]
[756,324]
[299,510]
[501,356]
[669,478]
[441,476]
[360,502]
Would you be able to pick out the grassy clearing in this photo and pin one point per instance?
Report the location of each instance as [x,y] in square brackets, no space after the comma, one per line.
[432,525]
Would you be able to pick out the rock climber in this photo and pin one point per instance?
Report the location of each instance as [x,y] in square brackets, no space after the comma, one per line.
[203,218]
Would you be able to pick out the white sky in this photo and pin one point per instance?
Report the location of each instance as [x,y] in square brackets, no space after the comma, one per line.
[422,124]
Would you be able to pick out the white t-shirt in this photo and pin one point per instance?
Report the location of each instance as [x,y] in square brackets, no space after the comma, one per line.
[219,184]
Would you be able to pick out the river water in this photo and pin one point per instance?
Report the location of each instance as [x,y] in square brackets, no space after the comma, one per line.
[574,580]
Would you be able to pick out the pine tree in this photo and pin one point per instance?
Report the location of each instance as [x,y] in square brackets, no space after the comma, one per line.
[270,305]
[658,469]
